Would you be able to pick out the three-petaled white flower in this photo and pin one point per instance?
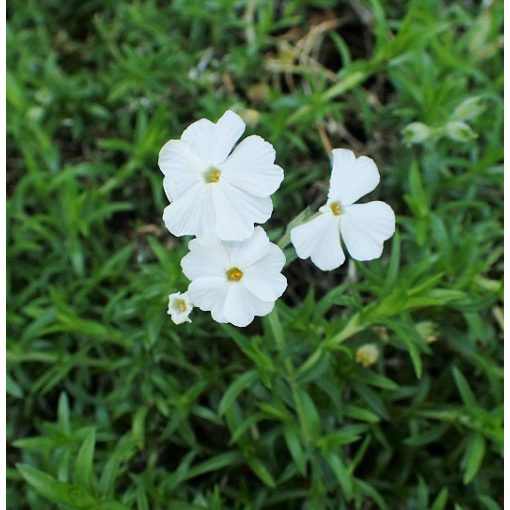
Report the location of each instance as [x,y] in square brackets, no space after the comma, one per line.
[235,281]
[363,227]
[179,307]
[214,191]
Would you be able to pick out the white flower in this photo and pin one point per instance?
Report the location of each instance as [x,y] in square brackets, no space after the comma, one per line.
[235,281]
[363,227]
[214,191]
[179,307]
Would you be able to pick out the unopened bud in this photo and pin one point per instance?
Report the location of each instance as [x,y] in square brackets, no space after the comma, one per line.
[250,116]
[459,131]
[416,132]
[427,330]
[367,355]
[470,108]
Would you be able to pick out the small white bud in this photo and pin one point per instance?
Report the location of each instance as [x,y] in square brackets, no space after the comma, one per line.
[427,330]
[367,355]
[470,108]
[416,132]
[459,131]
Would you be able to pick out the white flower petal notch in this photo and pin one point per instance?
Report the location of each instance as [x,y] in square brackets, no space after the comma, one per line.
[235,280]
[214,189]
[179,307]
[362,227]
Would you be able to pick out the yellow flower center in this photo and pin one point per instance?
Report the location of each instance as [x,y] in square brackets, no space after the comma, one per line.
[234,274]
[212,175]
[336,209]
[180,304]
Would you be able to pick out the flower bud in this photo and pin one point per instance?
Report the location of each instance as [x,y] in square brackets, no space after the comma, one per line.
[367,355]
[427,330]
[470,108]
[250,116]
[416,132]
[459,131]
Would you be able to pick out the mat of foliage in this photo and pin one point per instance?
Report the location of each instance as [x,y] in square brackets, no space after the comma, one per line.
[113,407]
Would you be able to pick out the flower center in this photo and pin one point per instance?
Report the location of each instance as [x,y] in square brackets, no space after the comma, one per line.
[234,274]
[212,175]
[180,304]
[336,209]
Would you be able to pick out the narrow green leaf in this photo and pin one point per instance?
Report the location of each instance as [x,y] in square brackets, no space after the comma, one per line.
[393,266]
[360,413]
[261,471]
[241,383]
[307,414]
[441,500]
[55,491]
[124,449]
[243,427]
[346,435]
[227,459]
[342,474]
[465,391]
[294,445]
[473,457]
[83,470]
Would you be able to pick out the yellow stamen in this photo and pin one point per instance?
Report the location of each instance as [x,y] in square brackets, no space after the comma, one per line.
[336,208]
[234,274]
[180,304]
[212,175]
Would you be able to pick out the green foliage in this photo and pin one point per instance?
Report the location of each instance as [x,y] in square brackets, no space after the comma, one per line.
[113,407]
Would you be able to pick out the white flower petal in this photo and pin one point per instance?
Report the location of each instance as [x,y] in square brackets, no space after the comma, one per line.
[207,257]
[236,211]
[200,136]
[241,306]
[192,213]
[319,239]
[351,178]
[228,130]
[213,142]
[182,167]
[264,279]
[365,227]
[244,254]
[251,167]
[208,293]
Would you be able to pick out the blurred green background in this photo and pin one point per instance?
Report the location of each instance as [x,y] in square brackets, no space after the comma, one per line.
[113,407]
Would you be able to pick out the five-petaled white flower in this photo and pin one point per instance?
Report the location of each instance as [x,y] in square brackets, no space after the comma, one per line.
[179,307]
[363,227]
[214,191]
[235,281]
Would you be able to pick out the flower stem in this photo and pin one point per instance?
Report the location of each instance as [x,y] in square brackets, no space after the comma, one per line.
[355,325]
[279,337]
[304,216]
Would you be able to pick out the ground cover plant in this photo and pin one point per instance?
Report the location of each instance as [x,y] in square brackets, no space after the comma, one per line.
[376,385]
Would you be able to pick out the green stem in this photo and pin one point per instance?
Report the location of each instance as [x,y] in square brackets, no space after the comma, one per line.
[301,218]
[355,325]
[279,336]
[285,240]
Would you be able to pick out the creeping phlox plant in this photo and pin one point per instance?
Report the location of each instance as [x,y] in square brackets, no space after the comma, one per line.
[218,193]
